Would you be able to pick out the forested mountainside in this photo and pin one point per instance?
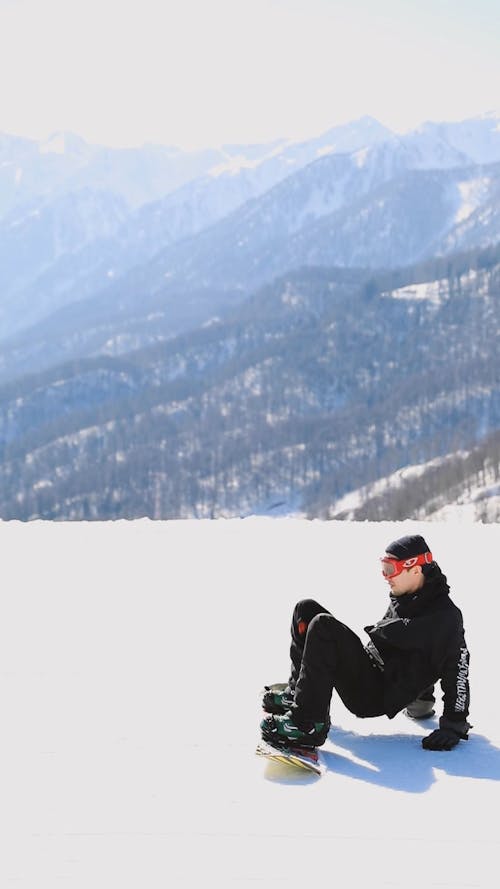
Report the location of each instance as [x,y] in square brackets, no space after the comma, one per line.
[464,482]
[320,383]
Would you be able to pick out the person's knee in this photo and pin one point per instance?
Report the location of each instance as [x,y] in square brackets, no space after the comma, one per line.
[323,624]
[304,612]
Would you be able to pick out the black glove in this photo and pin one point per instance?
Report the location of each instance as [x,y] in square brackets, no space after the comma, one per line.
[447,736]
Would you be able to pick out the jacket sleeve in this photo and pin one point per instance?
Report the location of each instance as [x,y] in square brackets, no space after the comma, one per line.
[455,685]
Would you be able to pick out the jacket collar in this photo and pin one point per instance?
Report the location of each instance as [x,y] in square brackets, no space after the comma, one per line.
[434,589]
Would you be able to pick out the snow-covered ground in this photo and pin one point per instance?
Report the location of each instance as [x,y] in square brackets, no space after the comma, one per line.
[131,657]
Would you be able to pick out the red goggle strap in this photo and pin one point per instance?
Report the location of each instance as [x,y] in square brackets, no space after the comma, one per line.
[422,559]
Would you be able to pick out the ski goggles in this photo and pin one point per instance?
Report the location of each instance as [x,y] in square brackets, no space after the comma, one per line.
[393,567]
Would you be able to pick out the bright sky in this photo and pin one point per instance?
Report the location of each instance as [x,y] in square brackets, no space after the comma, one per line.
[200,72]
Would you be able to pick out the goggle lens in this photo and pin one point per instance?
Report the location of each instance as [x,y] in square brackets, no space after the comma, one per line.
[389,568]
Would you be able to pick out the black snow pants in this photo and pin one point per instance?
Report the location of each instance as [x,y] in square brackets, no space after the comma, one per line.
[327,655]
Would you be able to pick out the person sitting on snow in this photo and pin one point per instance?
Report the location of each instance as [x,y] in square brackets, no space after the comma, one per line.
[419,641]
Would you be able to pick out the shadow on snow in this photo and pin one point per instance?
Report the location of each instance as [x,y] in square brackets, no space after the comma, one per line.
[399,762]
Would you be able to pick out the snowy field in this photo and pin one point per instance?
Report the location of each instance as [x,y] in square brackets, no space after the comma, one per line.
[131,657]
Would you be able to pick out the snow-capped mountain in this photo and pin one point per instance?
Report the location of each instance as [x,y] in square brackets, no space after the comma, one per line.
[416,215]
[38,238]
[254,213]
[287,156]
[477,138]
[241,173]
[65,162]
[31,171]
[385,205]
[338,211]
[477,219]
[369,209]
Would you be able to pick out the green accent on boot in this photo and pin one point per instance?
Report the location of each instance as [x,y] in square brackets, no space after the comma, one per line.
[282,729]
[277,698]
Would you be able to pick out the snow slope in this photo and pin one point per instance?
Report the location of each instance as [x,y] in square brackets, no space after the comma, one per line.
[131,656]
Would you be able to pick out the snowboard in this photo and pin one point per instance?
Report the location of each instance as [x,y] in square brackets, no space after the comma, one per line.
[301,757]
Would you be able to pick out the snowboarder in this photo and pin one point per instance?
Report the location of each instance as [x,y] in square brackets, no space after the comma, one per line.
[419,641]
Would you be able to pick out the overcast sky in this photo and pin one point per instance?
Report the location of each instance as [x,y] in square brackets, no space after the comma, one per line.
[201,72]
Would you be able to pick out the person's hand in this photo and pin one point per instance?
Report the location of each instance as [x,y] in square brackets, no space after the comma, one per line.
[447,736]
[441,739]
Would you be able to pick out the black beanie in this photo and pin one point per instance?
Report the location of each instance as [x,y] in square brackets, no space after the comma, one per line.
[408,546]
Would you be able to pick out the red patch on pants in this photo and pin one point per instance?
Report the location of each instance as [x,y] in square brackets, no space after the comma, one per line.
[302,627]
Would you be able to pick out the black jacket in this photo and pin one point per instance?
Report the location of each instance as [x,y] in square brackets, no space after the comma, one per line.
[420,640]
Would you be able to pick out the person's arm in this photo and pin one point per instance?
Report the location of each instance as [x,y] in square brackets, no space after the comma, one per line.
[453,725]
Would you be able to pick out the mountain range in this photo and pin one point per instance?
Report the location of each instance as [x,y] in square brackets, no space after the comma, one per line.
[252,212]
[237,344]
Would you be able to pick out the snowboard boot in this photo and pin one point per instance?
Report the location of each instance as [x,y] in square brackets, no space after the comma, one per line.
[284,731]
[422,707]
[277,698]
[419,710]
